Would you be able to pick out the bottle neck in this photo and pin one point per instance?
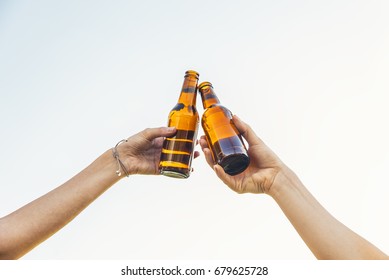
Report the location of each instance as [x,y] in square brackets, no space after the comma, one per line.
[208,96]
[189,89]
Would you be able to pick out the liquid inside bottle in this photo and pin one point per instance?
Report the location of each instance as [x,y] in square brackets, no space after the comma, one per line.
[225,142]
[177,151]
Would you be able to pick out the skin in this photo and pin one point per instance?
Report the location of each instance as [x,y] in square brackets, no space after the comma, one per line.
[30,225]
[324,235]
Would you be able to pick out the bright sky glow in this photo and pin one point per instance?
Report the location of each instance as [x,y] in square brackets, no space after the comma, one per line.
[311,77]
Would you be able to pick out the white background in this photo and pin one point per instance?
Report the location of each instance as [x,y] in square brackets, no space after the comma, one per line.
[310,77]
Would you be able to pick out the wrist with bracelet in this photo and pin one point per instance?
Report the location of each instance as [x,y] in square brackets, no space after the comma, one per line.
[120,164]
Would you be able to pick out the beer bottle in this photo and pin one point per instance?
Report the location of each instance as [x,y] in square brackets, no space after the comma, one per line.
[225,142]
[177,151]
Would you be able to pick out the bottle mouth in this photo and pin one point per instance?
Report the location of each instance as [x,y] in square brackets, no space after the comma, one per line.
[192,73]
[205,84]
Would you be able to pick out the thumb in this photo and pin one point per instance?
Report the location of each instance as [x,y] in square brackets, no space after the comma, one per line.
[152,133]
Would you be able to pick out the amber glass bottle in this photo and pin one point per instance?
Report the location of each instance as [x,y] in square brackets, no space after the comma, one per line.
[225,142]
[177,151]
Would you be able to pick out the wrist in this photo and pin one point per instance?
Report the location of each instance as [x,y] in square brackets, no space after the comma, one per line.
[121,167]
[106,167]
[285,180]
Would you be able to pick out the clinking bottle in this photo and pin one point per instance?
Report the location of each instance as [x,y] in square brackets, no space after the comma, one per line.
[225,142]
[177,151]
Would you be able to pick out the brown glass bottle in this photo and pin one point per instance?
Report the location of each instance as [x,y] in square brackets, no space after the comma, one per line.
[225,142]
[177,151]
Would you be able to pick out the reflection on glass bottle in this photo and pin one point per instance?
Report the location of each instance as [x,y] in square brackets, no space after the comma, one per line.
[177,151]
[225,142]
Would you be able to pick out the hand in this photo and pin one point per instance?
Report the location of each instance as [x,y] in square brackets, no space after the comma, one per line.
[264,168]
[141,153]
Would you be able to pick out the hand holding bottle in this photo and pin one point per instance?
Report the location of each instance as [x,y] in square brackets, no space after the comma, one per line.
[264,171]
[140,153]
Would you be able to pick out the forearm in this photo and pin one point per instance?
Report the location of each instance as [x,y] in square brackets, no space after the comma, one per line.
[325,236]
[28,226]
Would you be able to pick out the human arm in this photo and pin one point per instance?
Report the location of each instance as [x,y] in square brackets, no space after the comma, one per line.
[324,235]
[33,223]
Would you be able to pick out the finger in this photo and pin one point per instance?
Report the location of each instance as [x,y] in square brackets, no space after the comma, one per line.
[152,133]
[223,176]
[196,154]
[226,179]
[206,151]
[203,142]
[246,131]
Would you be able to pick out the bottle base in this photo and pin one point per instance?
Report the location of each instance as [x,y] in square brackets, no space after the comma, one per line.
[174,174]
[235,164]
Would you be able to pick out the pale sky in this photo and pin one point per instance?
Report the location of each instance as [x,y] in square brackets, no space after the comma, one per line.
[310,77]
